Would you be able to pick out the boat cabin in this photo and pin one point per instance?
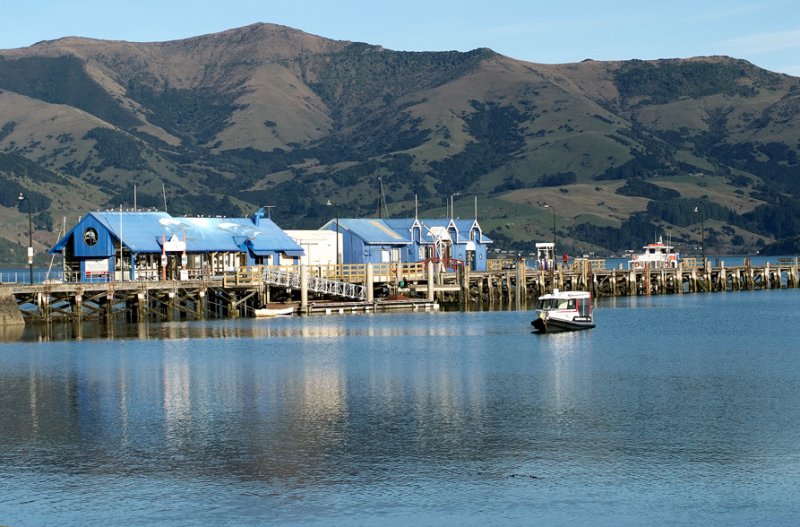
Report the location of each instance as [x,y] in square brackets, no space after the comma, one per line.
[655,256]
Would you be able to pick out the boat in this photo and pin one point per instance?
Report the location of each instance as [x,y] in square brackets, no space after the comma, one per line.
[656,255]
[274,312]
[564,311]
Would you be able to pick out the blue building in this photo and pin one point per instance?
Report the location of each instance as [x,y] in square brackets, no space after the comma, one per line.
[116,245]
[368,241]
[412,240]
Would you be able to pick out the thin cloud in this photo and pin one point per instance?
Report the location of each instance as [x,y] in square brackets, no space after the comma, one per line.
[764,42]
[717,15]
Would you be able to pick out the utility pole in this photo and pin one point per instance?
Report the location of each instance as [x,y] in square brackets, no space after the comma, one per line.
[30,234]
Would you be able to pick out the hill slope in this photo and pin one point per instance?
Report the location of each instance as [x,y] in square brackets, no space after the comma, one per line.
[268,115]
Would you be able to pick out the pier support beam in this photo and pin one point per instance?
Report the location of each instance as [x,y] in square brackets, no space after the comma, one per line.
[370,281]
[304,288]
[200,306]
[429,272]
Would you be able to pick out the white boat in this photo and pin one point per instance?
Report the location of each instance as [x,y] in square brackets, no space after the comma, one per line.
[273,311]
[564,311]
[655,256]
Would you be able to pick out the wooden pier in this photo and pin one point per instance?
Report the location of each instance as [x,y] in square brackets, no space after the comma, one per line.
[690,275]
[370,288]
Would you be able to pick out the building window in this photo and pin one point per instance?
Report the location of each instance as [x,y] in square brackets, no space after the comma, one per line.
[90,236]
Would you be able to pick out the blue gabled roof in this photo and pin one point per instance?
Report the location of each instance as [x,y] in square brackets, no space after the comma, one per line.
[143,232]
[401,225]
[268,237]
[372,231]
[140,231]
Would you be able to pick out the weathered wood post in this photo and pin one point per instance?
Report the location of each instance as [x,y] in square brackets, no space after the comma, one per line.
[141,298]
[520,283]
[171,307]
[200,312]
[465,285]
[304,289]
[43,301]
[429,271]
[78,310]
[369,282]
[108,312]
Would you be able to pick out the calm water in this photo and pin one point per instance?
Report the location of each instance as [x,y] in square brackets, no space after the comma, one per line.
[674,410]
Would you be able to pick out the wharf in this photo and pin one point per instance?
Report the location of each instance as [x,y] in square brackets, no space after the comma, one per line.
[690,275]
[348,289]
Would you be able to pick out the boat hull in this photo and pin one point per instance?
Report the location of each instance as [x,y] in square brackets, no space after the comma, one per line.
[556,325]
[273,312]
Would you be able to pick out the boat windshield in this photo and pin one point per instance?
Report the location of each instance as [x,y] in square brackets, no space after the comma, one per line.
[582,305]
[557,303]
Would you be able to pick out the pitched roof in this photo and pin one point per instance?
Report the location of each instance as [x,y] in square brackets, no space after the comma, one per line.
[372,231]
[144,231]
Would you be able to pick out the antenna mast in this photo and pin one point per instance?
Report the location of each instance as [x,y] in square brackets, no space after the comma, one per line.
[382,201]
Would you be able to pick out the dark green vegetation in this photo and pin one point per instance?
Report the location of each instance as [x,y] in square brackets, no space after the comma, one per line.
[62,80]
[664,81]
[626,149]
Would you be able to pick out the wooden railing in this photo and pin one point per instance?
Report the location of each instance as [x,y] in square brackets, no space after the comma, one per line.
[581,265]
[691,262]
[351,273]
[501,264]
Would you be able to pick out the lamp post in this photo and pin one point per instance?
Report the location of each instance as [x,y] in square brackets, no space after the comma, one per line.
[554,227]
[553,209]
[553,256]
[337,232]
[702,233]
[30,235]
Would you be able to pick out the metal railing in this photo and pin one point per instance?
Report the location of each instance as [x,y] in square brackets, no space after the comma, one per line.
[23,276]
[291,279]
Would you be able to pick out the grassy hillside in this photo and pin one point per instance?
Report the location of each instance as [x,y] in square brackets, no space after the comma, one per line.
[267,115]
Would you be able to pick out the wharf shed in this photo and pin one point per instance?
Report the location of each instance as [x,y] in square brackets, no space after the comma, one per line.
[116,246]
[367,241]
[411,240]
[448,239]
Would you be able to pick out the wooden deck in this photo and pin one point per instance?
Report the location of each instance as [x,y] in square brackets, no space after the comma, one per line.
[239,294]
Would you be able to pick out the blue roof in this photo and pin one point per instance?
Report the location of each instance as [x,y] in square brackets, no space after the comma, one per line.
[372,231]
[143,232]
[401,225]
[268,237]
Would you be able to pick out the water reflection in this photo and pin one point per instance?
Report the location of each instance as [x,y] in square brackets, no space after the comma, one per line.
[245,405]
[407,418]
[377,325]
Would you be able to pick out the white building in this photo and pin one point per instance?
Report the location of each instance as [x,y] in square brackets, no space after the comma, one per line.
[319,246]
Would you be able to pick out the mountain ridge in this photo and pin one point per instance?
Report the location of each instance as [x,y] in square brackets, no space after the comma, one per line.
[266,114]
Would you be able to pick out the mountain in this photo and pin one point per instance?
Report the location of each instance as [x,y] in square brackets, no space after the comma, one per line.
[269,115]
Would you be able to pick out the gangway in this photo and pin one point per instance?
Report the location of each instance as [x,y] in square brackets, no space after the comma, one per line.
[283,278]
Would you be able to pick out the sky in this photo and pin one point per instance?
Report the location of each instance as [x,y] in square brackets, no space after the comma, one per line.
[764,32]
